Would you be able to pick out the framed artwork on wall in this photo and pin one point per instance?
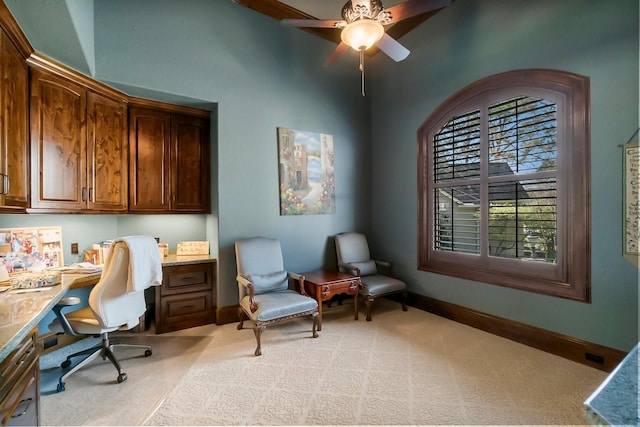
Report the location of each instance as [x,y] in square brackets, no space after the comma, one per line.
[306,172]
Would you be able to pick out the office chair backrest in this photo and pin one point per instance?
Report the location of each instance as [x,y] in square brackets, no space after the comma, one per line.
[109,300]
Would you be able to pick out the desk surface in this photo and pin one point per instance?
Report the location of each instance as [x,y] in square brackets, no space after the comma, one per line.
[21,312]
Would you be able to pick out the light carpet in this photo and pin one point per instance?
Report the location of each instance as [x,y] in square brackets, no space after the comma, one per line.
[93,395]
[403,368]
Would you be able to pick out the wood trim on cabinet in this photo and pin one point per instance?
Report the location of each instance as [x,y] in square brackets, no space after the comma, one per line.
[228,314]
[37,60]
[13,30]
[167,107]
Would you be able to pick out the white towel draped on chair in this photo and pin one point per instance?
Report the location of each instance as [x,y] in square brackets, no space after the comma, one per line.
[145,268]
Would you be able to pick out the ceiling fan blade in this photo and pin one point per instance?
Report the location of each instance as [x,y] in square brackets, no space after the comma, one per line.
[313,23]
[337,53]
[391,47]
[412,8]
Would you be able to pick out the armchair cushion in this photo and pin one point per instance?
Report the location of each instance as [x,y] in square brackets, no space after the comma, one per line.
[367,268]
[377,285]
[279,304]
[270,282]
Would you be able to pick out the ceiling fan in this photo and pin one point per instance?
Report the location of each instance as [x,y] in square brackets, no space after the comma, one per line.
[363,24]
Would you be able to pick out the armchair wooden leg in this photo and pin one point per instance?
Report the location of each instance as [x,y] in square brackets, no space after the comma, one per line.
[241,317]
[315,325]
[404,301]
[369,302]
[257,330]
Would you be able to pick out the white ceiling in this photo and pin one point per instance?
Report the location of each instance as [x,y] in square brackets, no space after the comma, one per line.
[327,9]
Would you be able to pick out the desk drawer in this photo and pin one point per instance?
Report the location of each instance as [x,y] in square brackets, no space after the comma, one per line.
[12,366]
[182,311]
[187,278]
[19,396]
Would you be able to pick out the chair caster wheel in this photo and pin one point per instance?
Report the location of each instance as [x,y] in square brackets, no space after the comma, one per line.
[65,364]
[147,353]
[122,377]
[60,387]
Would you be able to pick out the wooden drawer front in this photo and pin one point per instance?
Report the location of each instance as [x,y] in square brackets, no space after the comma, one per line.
[185,311]
[19,379]
[13,366]
[21,406]
[350,287]
[187,278]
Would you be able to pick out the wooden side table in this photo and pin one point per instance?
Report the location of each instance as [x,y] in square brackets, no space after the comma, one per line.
[324,284]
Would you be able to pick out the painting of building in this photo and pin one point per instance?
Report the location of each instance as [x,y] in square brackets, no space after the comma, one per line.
[306,172]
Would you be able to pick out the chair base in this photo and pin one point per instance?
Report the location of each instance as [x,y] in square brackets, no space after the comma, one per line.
[105,349]
[368,299]
[259,326]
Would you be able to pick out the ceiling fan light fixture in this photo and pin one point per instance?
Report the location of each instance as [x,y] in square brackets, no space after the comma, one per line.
[362,34]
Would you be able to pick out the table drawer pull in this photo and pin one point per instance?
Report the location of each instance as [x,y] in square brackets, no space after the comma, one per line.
[26,403]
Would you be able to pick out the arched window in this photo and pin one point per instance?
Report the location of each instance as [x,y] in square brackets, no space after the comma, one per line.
[504,184]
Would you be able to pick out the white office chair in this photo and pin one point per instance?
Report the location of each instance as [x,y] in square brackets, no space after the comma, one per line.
[112,307]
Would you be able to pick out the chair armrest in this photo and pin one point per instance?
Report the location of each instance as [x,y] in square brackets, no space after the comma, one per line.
[243,281]
[352,269]
[385,264]
[57,309]
[300,278]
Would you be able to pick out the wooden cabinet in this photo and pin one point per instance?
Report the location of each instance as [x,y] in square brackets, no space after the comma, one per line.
[107,151]
[186,297]
[78,147]
[169,160]
[19,390]
[14,130]
[149,157]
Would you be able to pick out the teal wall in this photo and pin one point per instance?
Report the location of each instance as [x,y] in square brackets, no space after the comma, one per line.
[88,229]
[471,40]
[260,76]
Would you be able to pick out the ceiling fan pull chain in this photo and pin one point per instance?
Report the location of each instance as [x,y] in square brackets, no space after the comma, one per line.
[362,70]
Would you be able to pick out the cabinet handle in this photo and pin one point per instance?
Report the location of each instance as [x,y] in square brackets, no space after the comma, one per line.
[90,193]
[6,187]
[84,194]
[27,403]
[5,184]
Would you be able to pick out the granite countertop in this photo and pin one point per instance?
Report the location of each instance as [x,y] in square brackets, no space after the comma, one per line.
[21,311]
[616,400]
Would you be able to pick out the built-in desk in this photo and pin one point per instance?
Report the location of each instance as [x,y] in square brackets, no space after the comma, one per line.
[20,314]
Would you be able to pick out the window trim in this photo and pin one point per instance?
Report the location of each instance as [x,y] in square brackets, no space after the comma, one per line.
[572,273]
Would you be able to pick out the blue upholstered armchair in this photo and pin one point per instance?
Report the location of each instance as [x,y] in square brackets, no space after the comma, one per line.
[353,255]
[263,284]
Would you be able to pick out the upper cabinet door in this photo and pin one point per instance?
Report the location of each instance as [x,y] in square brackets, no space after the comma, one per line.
[58,143]
[107,153]
[14,126]
[190,164]
[149,157]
